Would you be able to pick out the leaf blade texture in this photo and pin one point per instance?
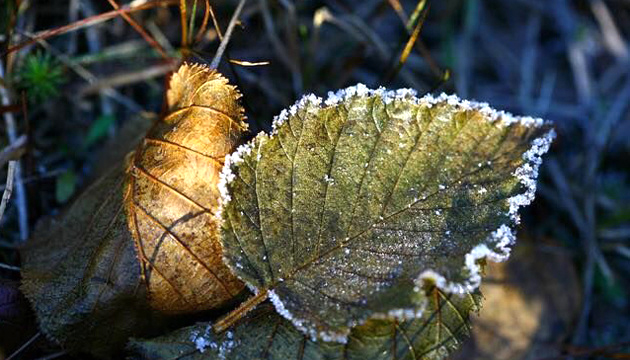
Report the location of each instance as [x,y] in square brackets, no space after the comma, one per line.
[266,335]
[349,206]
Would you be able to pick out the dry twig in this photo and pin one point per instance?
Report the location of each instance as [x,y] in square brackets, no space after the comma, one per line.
[20,191]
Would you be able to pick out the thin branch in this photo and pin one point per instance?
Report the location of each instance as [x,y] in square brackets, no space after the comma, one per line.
[9,267]
[53,355]
[204,22]
[141,31]
[13,151]
[409,46]
[183,11]
[216,24]
[24,346]
[126,78]
[92,20]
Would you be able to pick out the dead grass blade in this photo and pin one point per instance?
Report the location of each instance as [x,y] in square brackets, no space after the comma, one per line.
[410,43]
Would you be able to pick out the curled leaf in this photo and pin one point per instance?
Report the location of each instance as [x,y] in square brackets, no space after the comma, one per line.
[351,205]
[174,176]
[266,335]
[142,241]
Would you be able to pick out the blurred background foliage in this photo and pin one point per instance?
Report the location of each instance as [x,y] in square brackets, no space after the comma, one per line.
[564,295]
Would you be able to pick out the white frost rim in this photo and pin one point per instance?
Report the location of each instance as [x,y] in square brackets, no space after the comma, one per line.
[498,245]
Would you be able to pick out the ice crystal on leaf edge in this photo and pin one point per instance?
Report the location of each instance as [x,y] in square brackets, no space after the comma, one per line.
[501,239]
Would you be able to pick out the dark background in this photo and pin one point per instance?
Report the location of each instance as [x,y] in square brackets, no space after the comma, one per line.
[564,294]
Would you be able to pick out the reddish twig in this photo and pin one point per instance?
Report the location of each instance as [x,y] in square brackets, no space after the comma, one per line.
[204,22]
[134,24]
[183,12]
[92,20]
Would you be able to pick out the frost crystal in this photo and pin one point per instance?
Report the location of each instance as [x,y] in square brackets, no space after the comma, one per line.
[201,341]
[501,239]
[227,176]
[528,173]
[227,345]
[300,324]
[306,100]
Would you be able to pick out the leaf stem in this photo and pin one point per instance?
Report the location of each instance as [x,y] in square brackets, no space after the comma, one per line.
[230,319]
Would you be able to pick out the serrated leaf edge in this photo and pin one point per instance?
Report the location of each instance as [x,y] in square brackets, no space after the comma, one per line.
[501,239]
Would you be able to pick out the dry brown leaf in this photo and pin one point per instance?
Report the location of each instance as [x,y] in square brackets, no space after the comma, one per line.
[530,305]
[143,237]
[174,176]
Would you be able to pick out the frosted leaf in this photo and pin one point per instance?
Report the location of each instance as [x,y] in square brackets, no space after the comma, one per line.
[405,206]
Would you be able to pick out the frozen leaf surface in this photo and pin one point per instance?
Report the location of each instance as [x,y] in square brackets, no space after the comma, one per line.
[266,335]
[352,203]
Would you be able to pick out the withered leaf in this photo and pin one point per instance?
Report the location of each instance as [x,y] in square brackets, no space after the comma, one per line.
[174,176]
[142,241]
[81,274]
[266,335]
[350,205]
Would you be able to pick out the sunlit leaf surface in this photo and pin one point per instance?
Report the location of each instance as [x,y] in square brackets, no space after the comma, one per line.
[350,204]
[174,176]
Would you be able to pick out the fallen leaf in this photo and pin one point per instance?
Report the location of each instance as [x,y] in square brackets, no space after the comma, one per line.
[531,304]
[81,273]
[266,335]
[351,205]
[174,197]
[142,241]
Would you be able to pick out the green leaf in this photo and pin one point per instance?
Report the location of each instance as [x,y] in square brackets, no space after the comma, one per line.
[98,130]
[348,207]
[65,186]
[266,335]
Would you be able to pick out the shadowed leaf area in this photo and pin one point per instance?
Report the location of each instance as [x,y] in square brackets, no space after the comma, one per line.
[266,335]
[141,242]
[340,211]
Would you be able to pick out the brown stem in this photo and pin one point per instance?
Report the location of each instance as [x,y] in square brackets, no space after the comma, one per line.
[230,319]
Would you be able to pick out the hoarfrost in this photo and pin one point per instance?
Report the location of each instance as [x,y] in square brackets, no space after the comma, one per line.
[302,325]
[227,176]
[501,239]
[227,345]
[201,341]
[528,173]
